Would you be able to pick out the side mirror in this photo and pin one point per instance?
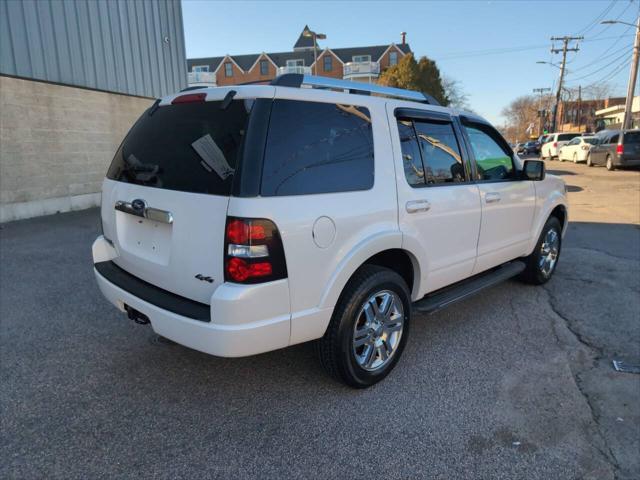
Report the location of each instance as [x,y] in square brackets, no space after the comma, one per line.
[533,170]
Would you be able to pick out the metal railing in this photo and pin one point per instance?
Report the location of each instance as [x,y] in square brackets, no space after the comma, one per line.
[208,78]
[361,68]
[294,69]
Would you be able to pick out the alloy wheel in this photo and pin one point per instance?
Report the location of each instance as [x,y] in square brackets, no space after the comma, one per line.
[549,252]
[378,330]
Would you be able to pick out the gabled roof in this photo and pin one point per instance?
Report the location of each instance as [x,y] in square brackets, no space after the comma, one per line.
[303,42]
[245,62]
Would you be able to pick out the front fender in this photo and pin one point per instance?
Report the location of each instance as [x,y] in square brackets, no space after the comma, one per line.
[550,193]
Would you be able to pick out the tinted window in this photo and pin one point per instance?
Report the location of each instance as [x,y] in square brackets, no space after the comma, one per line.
[264,67]
[411,159]
[317,148]
[563,137]
[440,152]
[591,140]
[192,147]
[328,63]
[492,160]
[614,138]
[631,137]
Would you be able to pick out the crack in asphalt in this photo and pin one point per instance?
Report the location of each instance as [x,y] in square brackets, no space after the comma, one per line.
[598,355]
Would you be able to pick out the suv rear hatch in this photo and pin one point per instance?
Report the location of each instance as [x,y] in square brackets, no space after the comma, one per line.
[165,198]
[631,145]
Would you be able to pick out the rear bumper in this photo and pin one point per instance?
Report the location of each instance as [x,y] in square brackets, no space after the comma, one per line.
[628,162]
[244,319]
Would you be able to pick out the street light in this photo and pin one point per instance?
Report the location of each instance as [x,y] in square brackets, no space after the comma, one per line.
[549,63]
[633,73]
[310,33]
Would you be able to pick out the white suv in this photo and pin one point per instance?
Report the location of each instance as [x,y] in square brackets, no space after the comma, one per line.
[243,219]
[550,149]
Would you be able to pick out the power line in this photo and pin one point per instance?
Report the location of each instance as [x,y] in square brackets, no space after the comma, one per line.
[624,54]
[601,56]
[596,20]
[617,18]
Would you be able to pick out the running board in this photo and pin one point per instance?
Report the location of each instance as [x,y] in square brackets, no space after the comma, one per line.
[466,288]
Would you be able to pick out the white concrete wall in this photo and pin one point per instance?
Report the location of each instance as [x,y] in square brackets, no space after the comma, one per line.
[56,143]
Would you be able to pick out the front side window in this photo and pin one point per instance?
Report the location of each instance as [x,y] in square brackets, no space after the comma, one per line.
[493,161]
[440,152]
[411,158]
[228,70]
[317,148]
[264,67]
[393,58]
[327,63]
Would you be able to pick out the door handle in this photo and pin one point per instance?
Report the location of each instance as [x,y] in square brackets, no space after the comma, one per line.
[492,197]
[416,206]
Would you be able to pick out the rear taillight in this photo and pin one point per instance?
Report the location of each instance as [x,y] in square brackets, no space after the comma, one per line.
[555,144]
[620,149]
[253,251]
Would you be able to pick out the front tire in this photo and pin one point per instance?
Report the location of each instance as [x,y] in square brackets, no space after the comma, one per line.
[368,329]
[575,158]
[542,262]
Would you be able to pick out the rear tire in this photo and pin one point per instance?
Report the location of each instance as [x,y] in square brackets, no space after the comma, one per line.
[542,262]
[365,341]
[610,166]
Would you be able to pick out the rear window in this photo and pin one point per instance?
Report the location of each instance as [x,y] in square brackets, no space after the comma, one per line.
[191,147]
[567,136]
[317,148]
[631,137]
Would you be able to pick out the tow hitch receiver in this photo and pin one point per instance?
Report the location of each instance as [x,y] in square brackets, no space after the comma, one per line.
[136,316]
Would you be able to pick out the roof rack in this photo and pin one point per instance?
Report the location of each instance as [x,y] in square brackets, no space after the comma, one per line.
[298,80]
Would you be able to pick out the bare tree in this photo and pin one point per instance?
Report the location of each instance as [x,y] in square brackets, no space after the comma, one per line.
[521,114]
[456,94]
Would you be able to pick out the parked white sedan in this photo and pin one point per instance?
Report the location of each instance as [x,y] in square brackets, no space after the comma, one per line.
[577,149]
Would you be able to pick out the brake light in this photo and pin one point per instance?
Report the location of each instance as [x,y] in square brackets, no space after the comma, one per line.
[253,251]
[620,149]
[190,98]
[555,144]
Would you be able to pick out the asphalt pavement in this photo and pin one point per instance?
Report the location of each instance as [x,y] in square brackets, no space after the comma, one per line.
[513,383]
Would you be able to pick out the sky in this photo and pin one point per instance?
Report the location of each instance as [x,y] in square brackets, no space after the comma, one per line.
[490,47]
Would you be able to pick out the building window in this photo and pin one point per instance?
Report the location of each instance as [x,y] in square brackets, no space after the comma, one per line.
[228,70]
[200,68]
[393,58]
[327,63]
[264,67]
[361,58]
[295,63]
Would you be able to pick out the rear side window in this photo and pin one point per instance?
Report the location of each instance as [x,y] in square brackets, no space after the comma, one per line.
[631,137]
[614,139]
[563,137]
[317,148]
[440,152]
[493,161]
[191,147]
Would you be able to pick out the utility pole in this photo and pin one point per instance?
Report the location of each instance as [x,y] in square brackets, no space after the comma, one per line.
[633,75]
[565,48]
[541,91]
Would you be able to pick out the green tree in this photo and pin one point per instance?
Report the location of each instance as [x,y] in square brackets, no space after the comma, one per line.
[423,76]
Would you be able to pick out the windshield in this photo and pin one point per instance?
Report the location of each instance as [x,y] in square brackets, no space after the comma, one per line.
[191,147]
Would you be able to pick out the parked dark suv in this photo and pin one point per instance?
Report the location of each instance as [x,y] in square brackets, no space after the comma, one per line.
[616,148]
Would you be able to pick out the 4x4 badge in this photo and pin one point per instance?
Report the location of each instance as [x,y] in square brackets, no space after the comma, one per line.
[203,278]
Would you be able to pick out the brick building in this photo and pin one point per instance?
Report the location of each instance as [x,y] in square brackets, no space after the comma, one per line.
[351,63]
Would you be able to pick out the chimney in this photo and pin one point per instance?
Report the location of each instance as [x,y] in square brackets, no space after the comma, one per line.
[404,37]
